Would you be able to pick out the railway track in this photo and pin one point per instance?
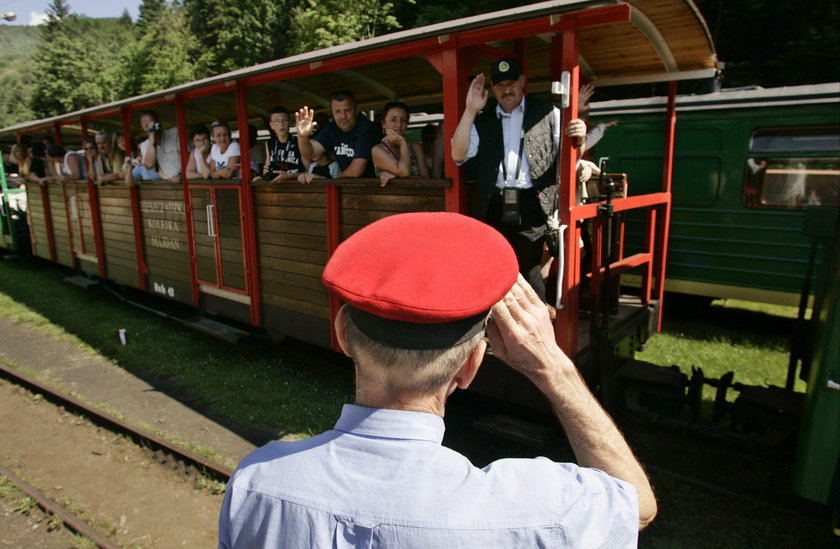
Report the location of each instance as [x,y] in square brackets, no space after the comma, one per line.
[165,451]
[182,461]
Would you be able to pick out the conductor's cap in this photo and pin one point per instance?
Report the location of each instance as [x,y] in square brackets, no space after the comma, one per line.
[422,280]
[506,68]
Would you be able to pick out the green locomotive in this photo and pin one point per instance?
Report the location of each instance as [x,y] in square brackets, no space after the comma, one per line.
[746,164]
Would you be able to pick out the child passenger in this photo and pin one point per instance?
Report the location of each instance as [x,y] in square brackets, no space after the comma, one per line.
[224,154]
[283,160]
[198,166]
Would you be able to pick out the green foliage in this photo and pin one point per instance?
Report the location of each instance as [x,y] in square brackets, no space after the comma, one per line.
[162,56]
[238,34]
[775,43]
[327,23]
[75,66]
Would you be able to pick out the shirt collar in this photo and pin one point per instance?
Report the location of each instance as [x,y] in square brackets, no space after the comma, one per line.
[500,113]
[396,424]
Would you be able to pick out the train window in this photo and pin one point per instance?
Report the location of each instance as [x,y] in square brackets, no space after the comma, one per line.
[811,139]
[791,182]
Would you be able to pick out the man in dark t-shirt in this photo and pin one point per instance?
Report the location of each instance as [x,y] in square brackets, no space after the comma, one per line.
[350,136]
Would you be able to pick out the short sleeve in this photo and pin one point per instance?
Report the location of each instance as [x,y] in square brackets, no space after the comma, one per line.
[234,149]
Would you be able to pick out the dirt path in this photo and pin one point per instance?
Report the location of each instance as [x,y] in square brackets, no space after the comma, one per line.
[106,479]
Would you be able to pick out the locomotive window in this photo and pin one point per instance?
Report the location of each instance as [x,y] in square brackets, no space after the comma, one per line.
[791,182]
[820,139]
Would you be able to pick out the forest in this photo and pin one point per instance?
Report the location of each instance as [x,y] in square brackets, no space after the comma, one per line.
[73,62]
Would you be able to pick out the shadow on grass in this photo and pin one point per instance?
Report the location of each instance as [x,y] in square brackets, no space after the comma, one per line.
[711,322]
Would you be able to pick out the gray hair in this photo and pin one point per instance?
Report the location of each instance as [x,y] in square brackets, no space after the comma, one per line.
[410,370]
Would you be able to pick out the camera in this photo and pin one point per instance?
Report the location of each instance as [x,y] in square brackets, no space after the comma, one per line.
[156,127]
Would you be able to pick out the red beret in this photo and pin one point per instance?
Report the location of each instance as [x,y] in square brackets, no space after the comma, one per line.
[423,268]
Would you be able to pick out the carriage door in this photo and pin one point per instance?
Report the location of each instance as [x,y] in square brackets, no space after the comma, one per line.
[217,233]
[81,226]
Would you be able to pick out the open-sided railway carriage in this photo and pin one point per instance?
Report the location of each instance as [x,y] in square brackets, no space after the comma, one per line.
[254,252]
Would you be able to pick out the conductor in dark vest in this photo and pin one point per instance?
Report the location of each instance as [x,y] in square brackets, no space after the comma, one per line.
[516,146]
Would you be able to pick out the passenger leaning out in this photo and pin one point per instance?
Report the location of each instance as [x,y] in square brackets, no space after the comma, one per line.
[198,166]
[350,136]
[65,165]
[159,154]
[395,156]
[109,164]
[91,156]
[284,161]
[224,154]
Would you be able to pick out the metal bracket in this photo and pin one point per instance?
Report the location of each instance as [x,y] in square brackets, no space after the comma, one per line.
[563,89]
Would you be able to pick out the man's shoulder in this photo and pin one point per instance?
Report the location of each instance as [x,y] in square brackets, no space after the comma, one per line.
[537,105]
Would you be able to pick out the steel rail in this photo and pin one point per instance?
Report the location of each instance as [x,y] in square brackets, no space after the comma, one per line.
[69,519]
[210,468]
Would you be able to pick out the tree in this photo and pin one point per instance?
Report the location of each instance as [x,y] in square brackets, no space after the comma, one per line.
[238,34]
[775,43]
[321,24]
[165,54]
[76,63]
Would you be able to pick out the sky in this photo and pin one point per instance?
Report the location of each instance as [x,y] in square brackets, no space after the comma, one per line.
[31,12]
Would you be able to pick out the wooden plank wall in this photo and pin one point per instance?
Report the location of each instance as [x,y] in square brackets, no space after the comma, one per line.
[291,224]
[63,249]
[37,222]
[291,231]
[118,235]
[165,240]
[362,205]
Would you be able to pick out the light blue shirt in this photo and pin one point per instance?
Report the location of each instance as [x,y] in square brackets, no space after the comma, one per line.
[382,478]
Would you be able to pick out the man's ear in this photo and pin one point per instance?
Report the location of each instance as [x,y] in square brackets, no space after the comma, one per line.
[466,374]
[340,333]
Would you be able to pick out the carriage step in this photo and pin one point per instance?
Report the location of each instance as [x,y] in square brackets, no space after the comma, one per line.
[217,329]
[81,281]
[514,429]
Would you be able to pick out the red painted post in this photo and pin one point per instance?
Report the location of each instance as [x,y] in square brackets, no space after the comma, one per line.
[650,247]
[134,197]
[454,70]
[181,121]
[665,220]
[565,49]
[95,214]
[246,201]
[333,240]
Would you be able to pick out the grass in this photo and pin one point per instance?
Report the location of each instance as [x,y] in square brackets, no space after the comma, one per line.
[266,390]
[751,339]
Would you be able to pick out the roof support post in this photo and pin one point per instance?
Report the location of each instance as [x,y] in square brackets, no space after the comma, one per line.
[246,205]
[134,198]
[454,69]
[181,122]
[565,50]
[665,219]
[95,213]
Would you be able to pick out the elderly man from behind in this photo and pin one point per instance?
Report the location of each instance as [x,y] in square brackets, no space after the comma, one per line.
[350,136]
[160,153]
[516,145]
[419,289]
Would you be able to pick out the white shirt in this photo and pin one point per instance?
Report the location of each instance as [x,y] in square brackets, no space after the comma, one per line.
[167,153]
[382,478]
[512,134]
[222,158]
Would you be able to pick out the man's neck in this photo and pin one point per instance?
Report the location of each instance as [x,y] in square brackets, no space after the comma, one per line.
[377,397]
